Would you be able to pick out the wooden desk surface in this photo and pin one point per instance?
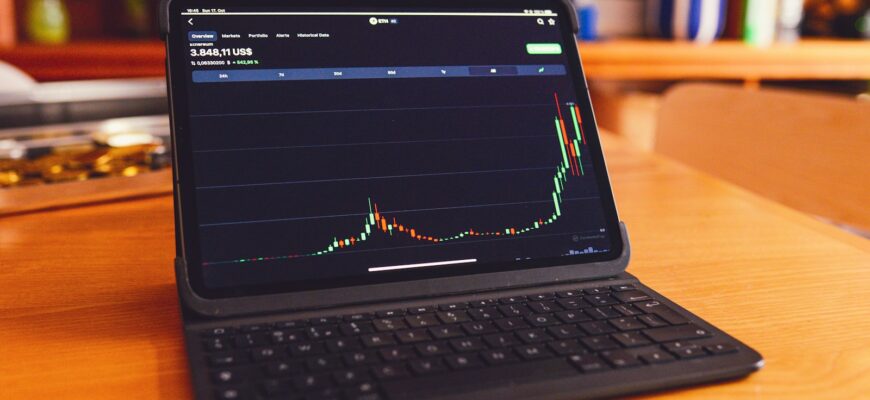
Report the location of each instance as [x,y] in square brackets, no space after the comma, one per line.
[88,307]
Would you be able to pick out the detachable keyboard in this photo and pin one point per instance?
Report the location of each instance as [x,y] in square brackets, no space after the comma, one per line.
[426,349]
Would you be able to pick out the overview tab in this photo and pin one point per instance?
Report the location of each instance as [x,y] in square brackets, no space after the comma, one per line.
[202,36]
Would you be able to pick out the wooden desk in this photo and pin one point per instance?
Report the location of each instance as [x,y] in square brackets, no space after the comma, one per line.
[88,307]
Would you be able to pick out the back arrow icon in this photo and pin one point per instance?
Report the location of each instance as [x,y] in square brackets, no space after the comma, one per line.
[190,21]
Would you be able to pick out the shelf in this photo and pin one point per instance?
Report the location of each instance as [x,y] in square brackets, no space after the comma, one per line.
[88,60]
[671,60]
[618,59]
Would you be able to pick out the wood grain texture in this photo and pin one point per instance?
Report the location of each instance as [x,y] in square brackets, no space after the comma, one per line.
[666,60]
[88,307]
[69,194]
[802,149]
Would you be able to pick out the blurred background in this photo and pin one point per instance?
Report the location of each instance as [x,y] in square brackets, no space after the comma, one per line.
[83,107]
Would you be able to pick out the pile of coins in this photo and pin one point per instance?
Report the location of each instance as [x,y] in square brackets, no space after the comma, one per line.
[83,151]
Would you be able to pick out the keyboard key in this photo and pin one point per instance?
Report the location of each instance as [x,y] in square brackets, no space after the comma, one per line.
[348,377]
[572,317]
[453,306]
[467,344]
[544,307]
[390,313]
[413,336]
[264,354]
[323,363]
[533,352]
[274,387]
[721,348]
[509,324]
[310,382]
[391,371]
[601,300]
[216,344]
[446,332]
[501,340]
[599,343]
[569,293]
[542,296]
[250,340]
[484,313]
[254,328]
[279,369]
[217,331]
[656,357]
[595,291]
[389,324]
[498,357]
[362,317]
[356,328]
[689,352]
[631,296]
[533,336]
[662,311]
[483,303]
[463,361]
[652,320]
[324,320]
[565,331]
[514,310]
[342,345]
[321,332]
[596,327]
[620,359]
[289,336]
[229,394]
[672,333]
[479,328]
[397,353]
[627,309]
[677,346]
[362,391]
[453,317]
[512,299]
[223,359]
[422,320]
[573,303]
[421,310]
[306,349]
[630,339]
[588,363]
[622,288]
[225,376]
[362,357]
[566,347]
[627,324]
[433,349]
[378,340]
[542,320]
[603,313]
[290,324]
[426,366]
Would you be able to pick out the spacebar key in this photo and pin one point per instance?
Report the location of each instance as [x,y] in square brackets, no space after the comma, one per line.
[672,333]
[477,379]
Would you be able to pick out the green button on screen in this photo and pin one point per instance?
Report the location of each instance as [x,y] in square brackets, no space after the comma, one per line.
[544,48]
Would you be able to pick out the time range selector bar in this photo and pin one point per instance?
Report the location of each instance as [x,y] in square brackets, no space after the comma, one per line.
[314,74]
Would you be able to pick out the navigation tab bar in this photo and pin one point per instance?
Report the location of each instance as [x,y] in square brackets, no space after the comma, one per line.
[313,74]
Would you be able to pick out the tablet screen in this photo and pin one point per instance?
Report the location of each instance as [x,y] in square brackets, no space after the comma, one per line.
[344,146]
